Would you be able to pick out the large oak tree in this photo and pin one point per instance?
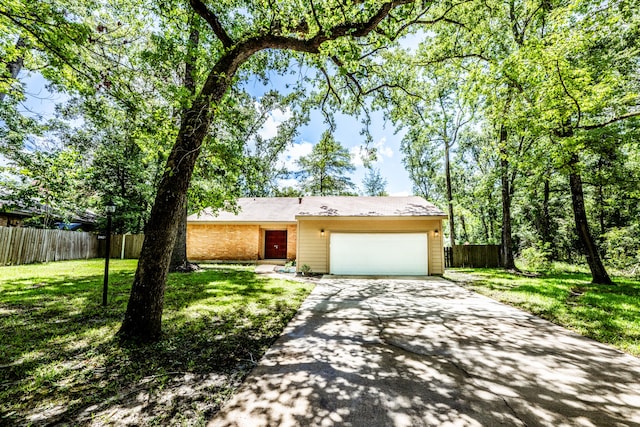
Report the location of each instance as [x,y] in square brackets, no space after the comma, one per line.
[242,30]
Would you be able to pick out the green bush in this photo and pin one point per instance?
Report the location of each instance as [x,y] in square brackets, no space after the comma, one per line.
[535,258]
[621,247]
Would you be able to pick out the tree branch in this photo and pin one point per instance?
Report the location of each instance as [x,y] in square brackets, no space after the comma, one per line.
[201,9]
[315,15]
[240,52]
[330,88]
[190,60]
[608,122]
[393,86]
[564,87]
[358,29]
[451,57]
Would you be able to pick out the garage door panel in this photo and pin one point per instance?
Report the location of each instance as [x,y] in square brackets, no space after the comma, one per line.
[378,253]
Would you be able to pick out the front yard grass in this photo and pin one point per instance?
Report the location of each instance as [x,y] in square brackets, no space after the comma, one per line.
[61,364]
[565,296]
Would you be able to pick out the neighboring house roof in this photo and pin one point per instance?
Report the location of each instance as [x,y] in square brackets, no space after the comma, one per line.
[20,209]
[287,209]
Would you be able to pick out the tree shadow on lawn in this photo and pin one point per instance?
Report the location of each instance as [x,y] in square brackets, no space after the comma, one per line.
[607,313]
[61,363]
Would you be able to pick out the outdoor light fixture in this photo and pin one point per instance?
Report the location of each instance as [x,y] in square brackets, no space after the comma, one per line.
[110,208]
[436,233]
[322,232]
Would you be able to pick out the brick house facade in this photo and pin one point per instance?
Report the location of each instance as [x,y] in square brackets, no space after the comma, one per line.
[323,234]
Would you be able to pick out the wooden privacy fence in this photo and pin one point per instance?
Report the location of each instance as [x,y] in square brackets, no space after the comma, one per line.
[29,245]
[473,256]
[123,246]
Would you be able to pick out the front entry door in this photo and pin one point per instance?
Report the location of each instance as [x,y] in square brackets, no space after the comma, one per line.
[275,244]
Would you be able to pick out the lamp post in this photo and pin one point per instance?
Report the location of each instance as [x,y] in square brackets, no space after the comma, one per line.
[110,209]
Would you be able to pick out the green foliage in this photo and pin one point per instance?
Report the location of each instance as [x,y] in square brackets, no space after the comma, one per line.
[305,269]
[123,151]
[374,183]
[288,192]
[559,79]
[59,348]
[46,184]
[324,171]
[535,259]
[622,248]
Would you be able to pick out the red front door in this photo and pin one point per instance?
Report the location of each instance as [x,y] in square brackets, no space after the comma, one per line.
[275,244]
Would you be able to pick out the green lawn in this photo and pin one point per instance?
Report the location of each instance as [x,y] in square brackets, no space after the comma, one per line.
[60,362]
[565,296]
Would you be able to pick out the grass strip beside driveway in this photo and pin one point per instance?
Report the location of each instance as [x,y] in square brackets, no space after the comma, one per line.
[60,362]
[607,313]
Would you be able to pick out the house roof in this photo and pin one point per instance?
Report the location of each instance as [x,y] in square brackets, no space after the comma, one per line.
[287,209]
[253,209]
[367,206]
[18,208]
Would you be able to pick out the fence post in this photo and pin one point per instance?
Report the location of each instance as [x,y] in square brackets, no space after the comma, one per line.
[5,260]
[19,257]
[124,239]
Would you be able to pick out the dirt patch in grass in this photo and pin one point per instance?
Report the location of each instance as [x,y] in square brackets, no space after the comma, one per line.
[62,366]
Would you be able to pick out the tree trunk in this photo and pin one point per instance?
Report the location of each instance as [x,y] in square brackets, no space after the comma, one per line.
[465,235]
[143,318]
[179,253]
[545,221]
[493,219]
[15,66]
[447,172]
[507,241]
[179,260]
[598,272]
[485,227]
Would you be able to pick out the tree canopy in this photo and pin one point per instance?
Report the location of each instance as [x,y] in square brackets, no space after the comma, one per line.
[519,117]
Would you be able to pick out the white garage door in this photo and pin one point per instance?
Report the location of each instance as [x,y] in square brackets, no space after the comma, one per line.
[379,253]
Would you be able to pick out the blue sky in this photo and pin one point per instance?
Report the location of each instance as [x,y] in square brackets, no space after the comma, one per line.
[347,132]
[41,102]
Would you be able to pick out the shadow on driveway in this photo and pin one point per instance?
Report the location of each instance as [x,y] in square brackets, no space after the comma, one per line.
[400,352]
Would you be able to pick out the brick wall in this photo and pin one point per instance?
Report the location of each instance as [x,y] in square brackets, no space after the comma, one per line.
[292,238]
[234,242]
[8,220]
[223,242]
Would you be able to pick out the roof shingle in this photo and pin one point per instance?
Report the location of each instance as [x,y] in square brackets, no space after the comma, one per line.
[287,209]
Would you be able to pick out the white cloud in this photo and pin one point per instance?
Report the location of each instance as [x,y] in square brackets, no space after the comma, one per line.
[293,153]
[356,155]
[382,151]
[281,115]
[289,182]
[270,127]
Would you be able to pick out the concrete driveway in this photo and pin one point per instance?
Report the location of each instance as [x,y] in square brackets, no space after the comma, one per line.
[401,352]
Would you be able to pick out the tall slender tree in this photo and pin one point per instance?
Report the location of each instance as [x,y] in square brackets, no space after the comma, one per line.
[324,171]
[374,183]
